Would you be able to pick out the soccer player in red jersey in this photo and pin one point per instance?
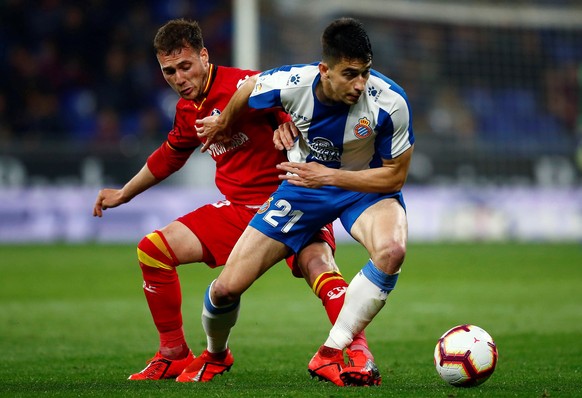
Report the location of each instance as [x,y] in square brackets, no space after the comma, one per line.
[246,174]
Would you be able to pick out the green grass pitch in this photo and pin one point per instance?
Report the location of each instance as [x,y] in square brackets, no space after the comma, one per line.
[74,322]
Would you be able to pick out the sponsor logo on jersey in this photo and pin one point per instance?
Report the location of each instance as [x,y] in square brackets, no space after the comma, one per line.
[221,203]
[219,148]
[294,79]
[297,115]
[323,149]
[374,93]
[362,129]
[265,206]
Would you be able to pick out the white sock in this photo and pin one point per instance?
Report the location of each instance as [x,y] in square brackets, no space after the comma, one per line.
[217,322]
[364,299]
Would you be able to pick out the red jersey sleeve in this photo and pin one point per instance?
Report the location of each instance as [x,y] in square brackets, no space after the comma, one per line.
[167,159]
[173,154]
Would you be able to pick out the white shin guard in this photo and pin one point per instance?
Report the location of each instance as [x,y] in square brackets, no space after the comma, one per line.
[362,302]
[217,323]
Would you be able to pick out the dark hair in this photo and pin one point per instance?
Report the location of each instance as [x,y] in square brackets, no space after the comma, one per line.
[177,34]
[345,38]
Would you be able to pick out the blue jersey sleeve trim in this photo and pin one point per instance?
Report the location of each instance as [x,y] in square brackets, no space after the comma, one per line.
[270,99]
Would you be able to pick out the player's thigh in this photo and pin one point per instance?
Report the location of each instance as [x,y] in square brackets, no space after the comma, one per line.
[183,242]
[252,256]
[381,224]
[217,227]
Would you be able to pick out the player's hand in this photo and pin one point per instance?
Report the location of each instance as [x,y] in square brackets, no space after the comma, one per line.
[211,130]
[285,136]
[308,175]
[107,199]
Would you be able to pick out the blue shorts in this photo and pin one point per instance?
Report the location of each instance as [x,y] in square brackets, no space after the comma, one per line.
[293,214]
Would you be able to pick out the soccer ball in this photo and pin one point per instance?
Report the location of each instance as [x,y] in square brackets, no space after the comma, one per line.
[465,356]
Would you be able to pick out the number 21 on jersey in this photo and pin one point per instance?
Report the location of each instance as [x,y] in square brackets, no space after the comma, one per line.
[283,210]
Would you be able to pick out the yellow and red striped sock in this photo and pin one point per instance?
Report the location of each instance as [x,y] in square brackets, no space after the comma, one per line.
[331,287]
[162,290]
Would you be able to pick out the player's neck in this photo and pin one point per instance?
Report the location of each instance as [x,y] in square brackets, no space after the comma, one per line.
[320,93]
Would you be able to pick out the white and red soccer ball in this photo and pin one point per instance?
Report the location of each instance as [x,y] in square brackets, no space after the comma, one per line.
[465,356]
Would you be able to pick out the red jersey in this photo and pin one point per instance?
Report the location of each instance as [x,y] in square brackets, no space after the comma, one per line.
[245,167]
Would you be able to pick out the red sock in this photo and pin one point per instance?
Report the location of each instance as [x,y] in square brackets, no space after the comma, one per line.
[163,294]
[331,287]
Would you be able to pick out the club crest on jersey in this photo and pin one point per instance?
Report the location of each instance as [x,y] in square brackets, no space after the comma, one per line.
[362,129]
[265,206]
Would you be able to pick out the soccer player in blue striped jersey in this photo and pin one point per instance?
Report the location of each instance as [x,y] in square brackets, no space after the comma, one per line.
[349,159]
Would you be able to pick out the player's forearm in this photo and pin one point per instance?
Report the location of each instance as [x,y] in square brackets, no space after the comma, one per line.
[381,180]
[142,181]
[237,105]
[390,177]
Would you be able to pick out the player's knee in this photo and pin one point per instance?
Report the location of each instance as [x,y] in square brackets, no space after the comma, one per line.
[153,252]
[222,294]
[390,256]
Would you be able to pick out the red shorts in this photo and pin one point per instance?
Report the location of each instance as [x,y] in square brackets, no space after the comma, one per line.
[219,225]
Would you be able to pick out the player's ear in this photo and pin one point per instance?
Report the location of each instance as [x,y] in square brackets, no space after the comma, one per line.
[204,55]
[323,70]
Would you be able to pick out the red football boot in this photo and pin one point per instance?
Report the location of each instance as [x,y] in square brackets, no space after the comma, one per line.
[326,365]
[206,366]
[162,368]
[360,370]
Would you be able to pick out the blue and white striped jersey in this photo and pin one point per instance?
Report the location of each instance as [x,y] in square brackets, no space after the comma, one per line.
[352,137]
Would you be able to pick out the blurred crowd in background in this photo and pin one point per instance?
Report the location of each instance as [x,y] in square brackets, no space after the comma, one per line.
[85,72]
[514,87]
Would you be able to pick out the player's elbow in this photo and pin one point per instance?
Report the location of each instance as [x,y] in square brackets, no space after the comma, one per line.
[400,183]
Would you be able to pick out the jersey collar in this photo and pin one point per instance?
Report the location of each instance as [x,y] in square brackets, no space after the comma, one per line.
[211,76]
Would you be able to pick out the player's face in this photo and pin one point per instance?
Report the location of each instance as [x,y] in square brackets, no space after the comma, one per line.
[186,71]
[345,81]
